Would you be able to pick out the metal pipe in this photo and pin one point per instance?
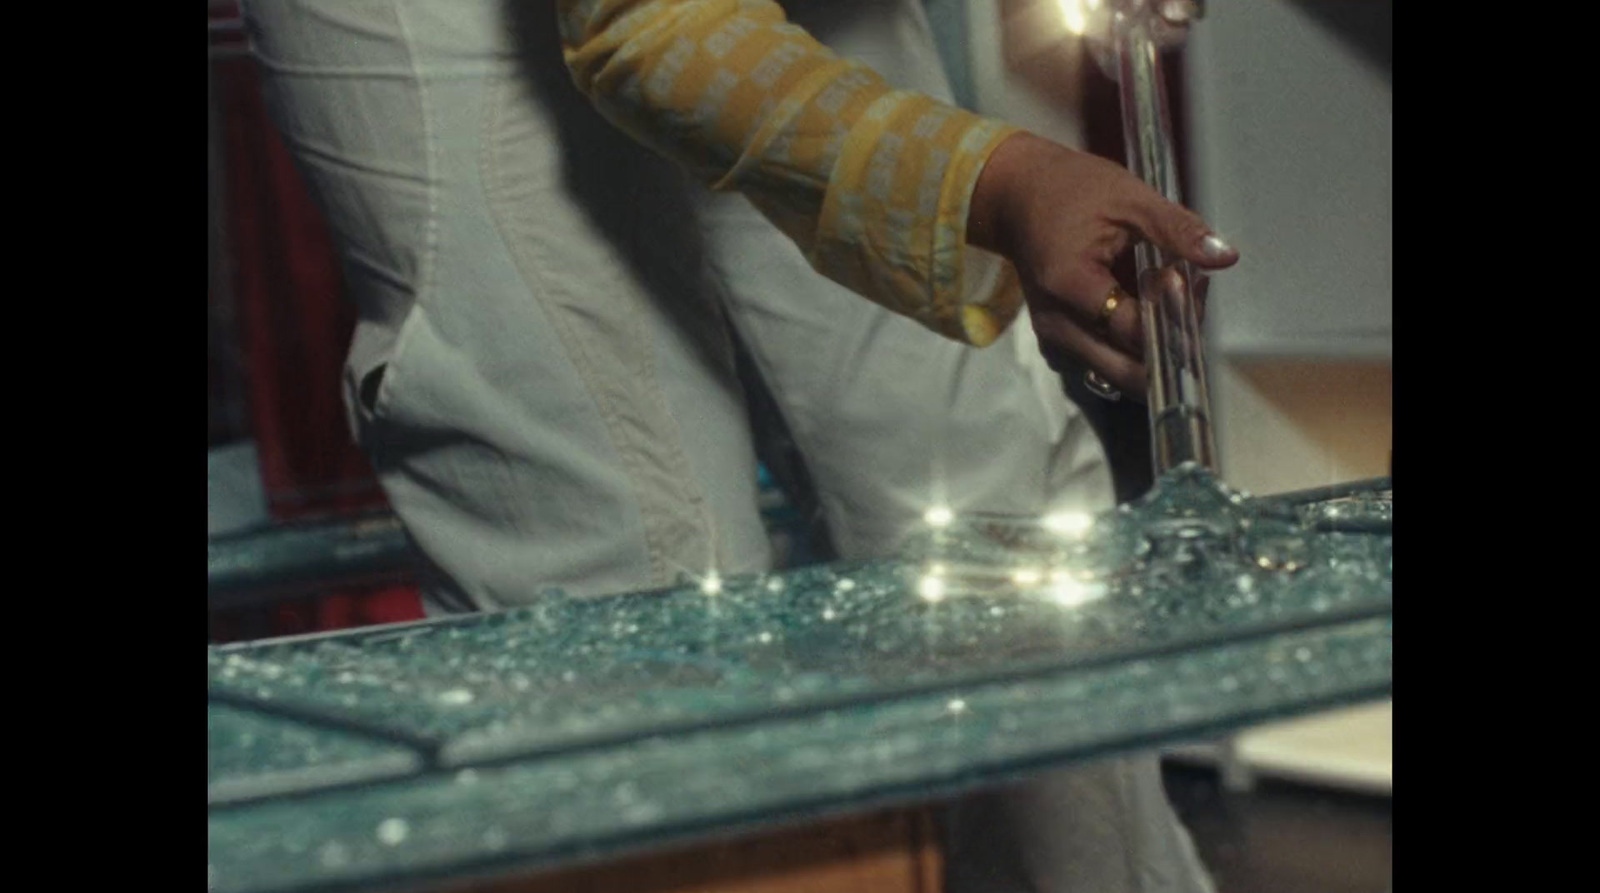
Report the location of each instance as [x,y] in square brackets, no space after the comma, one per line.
[1179,402]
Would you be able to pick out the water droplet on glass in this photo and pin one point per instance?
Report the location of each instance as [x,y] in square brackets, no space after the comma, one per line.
[334,855]
[393,832]
[765,637]
[956,707]
[641,813]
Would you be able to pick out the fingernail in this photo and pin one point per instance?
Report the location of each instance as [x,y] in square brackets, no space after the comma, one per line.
[1214,248]
[1179,12]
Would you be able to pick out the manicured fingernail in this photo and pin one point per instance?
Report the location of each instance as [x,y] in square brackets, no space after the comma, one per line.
[1180,12]
[1214,248]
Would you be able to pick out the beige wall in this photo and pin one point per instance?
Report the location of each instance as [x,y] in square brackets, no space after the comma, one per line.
[1280,424]
[1287,425]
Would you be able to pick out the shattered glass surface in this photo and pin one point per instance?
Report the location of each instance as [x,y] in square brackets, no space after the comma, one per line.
[989,642]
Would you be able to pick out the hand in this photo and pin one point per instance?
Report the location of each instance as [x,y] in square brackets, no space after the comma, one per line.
[1063,217]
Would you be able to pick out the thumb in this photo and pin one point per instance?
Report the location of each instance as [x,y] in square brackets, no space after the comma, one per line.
[1178,230]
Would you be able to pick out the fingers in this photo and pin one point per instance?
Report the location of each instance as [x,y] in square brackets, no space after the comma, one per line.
[1058,329]
[1085,290]
[1177,230]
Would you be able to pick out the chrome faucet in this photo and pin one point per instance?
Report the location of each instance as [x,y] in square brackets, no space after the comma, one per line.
[1127,37]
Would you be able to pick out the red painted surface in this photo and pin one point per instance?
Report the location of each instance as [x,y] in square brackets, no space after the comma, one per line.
[295,327]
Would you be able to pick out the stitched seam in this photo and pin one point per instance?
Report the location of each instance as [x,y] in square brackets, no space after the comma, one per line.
[427,262]
[577,348]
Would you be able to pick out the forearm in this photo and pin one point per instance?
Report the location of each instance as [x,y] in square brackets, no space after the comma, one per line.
[874,184]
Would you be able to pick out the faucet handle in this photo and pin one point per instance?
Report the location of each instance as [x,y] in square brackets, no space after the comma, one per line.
[1098,21]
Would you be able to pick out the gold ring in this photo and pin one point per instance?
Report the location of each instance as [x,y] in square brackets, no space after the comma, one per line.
[1113,301]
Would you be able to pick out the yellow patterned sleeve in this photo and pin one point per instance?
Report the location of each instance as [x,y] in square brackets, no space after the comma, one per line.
[873,184]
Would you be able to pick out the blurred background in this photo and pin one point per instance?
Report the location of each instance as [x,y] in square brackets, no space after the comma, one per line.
[1285,116]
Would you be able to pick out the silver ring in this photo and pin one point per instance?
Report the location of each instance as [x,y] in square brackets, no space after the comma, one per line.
[1100,387]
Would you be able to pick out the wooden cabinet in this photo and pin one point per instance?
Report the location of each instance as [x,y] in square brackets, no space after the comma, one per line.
[887,852]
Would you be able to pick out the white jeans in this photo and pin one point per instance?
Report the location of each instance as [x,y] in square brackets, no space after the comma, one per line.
[543,368]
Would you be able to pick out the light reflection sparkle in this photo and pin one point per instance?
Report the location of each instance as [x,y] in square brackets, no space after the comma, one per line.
[1068,523]
[1074,16]
[1070,593]
[1026,576]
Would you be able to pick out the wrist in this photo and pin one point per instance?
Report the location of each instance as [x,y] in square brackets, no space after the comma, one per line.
[992,211]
